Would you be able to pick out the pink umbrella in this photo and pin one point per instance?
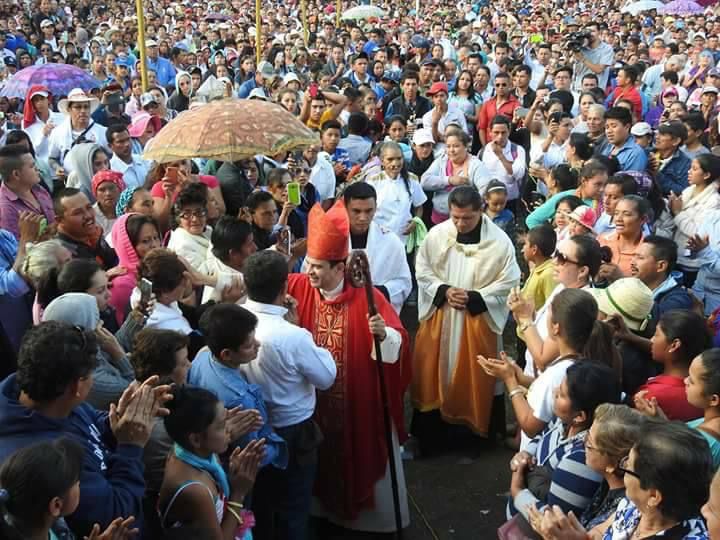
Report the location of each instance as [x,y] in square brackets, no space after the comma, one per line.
[682,7]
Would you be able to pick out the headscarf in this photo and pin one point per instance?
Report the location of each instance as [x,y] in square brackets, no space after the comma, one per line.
[80,158]
[78,309]
[107,176]
[124,201]
[29,114]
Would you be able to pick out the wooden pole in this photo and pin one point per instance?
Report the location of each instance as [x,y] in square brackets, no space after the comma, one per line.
[141,44]
[258,33]
[303,10]
[338,9]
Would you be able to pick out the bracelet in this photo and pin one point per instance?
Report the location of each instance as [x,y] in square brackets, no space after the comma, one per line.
[524,326]
[235,514]
[516,392]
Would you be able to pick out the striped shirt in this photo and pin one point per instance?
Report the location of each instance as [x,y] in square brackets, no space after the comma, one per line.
[572,482]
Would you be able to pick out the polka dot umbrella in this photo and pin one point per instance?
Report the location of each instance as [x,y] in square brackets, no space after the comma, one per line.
[230,130]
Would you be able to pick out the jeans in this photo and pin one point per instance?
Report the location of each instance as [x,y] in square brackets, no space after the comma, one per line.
[282,498]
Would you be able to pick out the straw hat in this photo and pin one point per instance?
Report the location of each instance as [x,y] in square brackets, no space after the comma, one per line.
[77,95]
[628,298]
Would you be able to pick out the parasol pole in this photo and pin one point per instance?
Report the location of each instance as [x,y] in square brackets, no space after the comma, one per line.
[303,10]
[258,33]
[338,8]
[359,273]
[141,45]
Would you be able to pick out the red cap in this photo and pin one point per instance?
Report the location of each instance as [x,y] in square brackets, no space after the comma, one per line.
[437,87]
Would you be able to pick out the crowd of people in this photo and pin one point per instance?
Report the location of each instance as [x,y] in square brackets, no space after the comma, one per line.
[185,349]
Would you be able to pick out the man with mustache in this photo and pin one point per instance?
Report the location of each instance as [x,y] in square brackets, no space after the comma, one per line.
[78,231]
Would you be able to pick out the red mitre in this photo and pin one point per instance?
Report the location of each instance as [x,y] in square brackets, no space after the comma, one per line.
[328,236]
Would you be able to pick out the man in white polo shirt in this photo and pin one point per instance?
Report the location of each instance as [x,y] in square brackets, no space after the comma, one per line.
[505,160]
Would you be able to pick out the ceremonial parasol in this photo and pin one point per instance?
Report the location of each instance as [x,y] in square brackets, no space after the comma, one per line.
[363,12]
[58,78]
[642,5]
[681,7]
[230,130]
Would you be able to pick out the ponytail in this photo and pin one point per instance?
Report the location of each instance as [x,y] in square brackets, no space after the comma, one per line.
[47,287]
[32,477]
[600,347]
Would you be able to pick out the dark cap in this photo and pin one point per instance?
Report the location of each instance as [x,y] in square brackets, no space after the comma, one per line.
[674,128]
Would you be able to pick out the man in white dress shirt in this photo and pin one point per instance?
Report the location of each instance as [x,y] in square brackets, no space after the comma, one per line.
[288,369]
[133,168]
[504,159]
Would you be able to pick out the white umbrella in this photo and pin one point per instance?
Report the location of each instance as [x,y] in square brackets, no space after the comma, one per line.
[642,5]
[363,12]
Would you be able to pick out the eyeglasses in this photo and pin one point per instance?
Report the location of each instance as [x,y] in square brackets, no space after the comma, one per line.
[189,214]
[622,467]
[563,259]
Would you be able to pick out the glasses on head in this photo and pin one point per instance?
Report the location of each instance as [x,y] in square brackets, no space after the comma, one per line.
[189,214]
[563,259]
[622,467]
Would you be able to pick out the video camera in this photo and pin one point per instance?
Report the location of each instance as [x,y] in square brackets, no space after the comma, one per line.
[577,40]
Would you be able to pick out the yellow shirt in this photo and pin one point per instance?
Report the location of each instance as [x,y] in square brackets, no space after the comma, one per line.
[540,283]
[324,117]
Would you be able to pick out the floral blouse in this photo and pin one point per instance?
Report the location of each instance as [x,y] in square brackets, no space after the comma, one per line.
[627,518]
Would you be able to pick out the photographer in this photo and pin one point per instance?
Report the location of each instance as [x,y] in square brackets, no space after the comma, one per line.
[593,55]
[110,112]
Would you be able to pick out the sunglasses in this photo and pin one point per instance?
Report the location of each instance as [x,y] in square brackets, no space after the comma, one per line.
[500,85]
[622,467]
[563,259]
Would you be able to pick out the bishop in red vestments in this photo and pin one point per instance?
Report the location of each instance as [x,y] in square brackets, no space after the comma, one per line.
[353,481]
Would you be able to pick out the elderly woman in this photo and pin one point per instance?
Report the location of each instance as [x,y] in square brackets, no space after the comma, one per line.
[667,480]
[554,471]
[191,238]
[114,372]
[455,167]
[106,188]
[400,197]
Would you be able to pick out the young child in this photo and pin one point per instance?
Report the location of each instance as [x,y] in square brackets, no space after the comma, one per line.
[564,207]
[396,130]
[537,250]
[496,195]
[39,486]
[581,221]
[330,134]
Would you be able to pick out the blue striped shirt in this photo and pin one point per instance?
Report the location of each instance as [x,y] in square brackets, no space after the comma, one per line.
[572,482]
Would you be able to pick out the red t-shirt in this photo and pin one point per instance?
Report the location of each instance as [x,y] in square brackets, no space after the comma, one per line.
[670,394]
[210,181]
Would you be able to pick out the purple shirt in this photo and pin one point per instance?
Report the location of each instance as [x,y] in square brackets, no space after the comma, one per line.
[11,206]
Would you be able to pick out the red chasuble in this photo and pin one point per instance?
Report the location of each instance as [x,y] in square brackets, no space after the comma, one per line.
[353,456]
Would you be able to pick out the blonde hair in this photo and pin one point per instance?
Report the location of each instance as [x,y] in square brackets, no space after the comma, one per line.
[40,259]
[618,428]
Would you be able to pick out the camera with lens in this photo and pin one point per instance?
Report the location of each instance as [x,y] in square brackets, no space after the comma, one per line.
[115,103]
[577,40]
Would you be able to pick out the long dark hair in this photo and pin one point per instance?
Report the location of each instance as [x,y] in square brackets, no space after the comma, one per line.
[32,477]
[576,312]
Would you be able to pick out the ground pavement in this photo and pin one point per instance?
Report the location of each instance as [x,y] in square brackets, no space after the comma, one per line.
[459,494]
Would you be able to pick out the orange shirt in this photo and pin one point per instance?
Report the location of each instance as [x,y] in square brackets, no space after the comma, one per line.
[621,258]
